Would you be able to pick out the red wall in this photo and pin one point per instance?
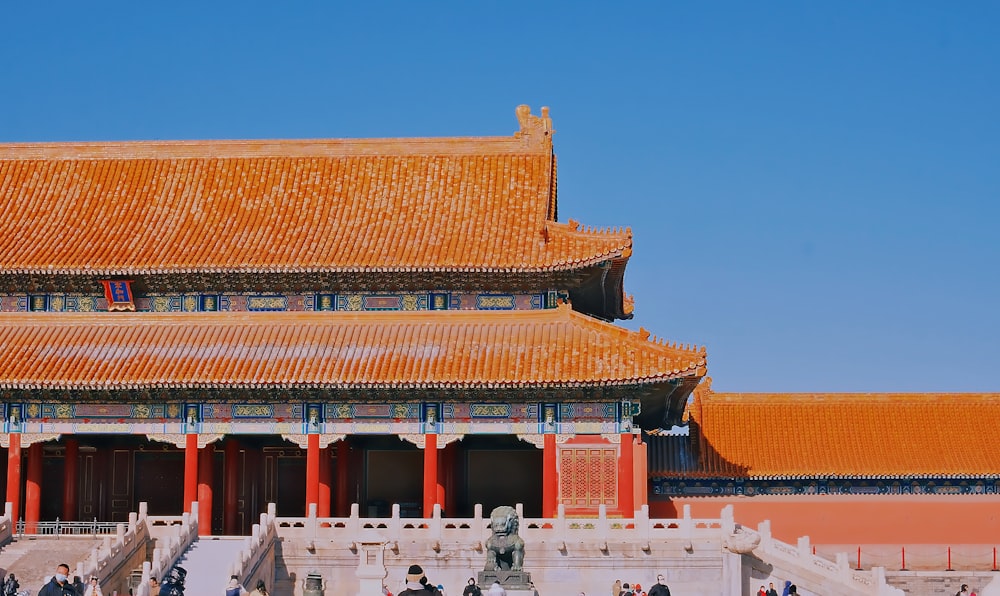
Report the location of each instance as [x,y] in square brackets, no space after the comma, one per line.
[828,519]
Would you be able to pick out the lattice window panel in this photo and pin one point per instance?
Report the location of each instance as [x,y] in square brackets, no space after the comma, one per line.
[588,476]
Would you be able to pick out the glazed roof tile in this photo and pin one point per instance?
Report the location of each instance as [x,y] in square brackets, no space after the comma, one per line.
[448,204]
[555,347]
[847,434]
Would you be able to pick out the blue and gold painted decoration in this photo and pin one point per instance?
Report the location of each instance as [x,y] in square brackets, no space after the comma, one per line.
[489,411]
[253,411]
[13,417]
[431,417]
[495,302]
[688,486]
[244,302]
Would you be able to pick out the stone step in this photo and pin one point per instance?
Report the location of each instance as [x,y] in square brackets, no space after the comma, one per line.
[32,559]
[207,562]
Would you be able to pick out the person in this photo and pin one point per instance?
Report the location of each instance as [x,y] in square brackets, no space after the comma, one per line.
[659,588]
[417,584]
[59,584]
[963,590]
[154,586]
[616,588]
[93,587]
[11,586]
[625,591]
[792,589]
[260,590]
[472,589]
[497,590]
[770,590]
[788,586]
[762,591]
[235,588]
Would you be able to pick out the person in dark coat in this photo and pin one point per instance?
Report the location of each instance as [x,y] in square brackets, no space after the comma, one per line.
[417,584]
[472,589]
[659,588]
[59,584]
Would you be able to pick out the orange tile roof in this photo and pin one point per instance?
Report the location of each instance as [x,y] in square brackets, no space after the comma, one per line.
[449,204]
[848,435]
[548,348]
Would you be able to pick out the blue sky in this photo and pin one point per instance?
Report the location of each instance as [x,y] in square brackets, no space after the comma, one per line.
[813,187]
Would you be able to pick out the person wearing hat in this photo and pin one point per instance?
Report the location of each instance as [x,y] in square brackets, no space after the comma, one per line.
[417,584]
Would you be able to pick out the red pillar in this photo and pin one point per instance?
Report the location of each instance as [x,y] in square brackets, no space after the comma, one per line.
[446,476]
[230,516]
[70,470]
[626,477]
[343,478]
[33,488]
[324,483]
[312,471]
[14,474]
[190,471]
[430,474]
[550,477]
[205,457]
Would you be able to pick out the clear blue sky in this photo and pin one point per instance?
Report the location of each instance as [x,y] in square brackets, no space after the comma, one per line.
[813,187]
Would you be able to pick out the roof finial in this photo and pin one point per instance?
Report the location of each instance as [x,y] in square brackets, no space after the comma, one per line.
[535,127]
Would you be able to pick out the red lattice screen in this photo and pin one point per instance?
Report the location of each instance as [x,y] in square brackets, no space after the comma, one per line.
[588,476]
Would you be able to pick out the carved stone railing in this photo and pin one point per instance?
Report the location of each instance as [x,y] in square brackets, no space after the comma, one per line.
[173,546]
[7,524]
[114,560]
[800,556]
[256,558]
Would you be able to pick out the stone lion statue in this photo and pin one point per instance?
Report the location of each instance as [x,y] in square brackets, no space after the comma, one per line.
[504,549]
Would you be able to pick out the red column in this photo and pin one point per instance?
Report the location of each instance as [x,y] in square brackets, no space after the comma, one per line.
[312,471]
[231,514]
[343,478]
[446,476]
[205,457]
[14,474]
[190,471]
[33,488]
[626,477]
[324,483]
[550,477]
[70,467]
[430,474]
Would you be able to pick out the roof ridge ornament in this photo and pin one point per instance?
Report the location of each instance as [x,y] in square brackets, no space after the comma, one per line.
[537,128]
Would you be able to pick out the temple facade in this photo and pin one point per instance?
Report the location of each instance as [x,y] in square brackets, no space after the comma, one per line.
[318,322]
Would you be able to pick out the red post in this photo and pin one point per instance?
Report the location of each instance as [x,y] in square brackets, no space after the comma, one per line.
[626,477]
[903,568]
[949,560]
[312,471]
[14,474]
[230,502]
[33,488]
[994,558]
[550,477]
[430,474]
[343,477]
[324,483]
[205,474]
[70,463]
[190,471]
[859,559]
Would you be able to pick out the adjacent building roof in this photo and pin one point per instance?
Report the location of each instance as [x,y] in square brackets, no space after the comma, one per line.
[429,349]
[757,435]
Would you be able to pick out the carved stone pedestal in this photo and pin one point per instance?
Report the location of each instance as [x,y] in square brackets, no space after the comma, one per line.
[510,580]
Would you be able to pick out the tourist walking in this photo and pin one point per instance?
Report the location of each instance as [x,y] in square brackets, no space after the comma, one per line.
[11,586]
[472,589]
[93,587]
[260,590]
[235,588]
[417,584]
[659,588]
[59,584]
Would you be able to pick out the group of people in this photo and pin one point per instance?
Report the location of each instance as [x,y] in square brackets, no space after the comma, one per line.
[789,590]
[235,588]
[626,589]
